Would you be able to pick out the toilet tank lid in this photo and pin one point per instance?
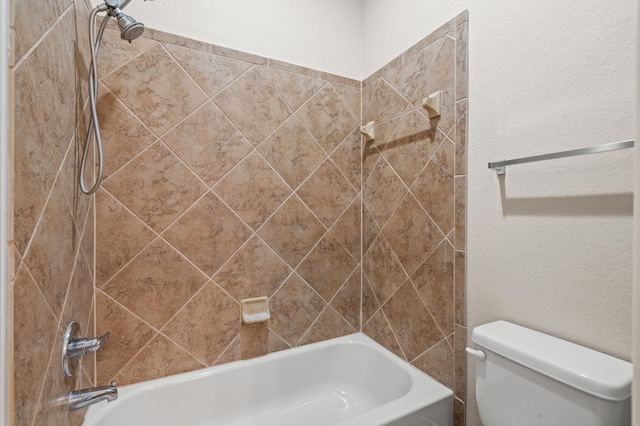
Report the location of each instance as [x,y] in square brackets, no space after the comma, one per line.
[582,368]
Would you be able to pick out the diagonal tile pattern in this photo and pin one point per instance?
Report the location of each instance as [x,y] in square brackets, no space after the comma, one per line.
[51,258]
[253,105]
[435,187]
[327,267]
[155,284]
[120,228]
[292,231]
[254,271]
[208,143]
[292,152]
[129,334]
[192,327]
[156,186]
[327,193]
[259,185]
[294,88]
[253,190]
[156,89]
[208,233]
[327,118]
[205,210]
[412,144]
[411,233]
[413,220]
[211,72]
[294,308]
[118,124]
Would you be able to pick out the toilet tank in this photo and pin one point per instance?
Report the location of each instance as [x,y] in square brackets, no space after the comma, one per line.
[532,379]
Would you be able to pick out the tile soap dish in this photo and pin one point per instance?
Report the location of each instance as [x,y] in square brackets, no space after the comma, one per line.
[255,310]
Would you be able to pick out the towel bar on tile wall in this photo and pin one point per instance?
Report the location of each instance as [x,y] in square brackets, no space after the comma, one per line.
[500,167]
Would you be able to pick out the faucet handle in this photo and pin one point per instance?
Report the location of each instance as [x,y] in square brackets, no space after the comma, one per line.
[79,347]
[73,346]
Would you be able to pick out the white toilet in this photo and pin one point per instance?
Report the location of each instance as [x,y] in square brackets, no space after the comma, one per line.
[527,378]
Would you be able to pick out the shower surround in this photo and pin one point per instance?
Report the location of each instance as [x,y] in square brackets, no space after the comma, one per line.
[230,176]
[52,230]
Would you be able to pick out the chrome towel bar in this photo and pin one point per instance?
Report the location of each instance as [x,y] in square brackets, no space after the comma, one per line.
[500,167]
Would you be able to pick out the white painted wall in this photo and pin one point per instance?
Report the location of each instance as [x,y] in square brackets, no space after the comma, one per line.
[325,35]
[556,254]
[390,27]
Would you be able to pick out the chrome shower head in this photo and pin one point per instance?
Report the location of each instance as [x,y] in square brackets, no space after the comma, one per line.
[130,29]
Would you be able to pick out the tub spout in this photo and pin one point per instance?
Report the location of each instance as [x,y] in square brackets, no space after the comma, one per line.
[89,396]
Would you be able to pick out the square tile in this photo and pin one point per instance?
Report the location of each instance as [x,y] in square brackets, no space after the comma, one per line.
[254,271]
[253,190]
[253,105]
[156,186]
[294,307]
[156,284]
[208,143]
[292,152]
[327,193]
[327,118]
[292,231]
[326,267]
[208,233]
[192,327]
[156,89]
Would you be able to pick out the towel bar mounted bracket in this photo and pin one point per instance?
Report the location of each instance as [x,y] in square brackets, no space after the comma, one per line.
[500,167]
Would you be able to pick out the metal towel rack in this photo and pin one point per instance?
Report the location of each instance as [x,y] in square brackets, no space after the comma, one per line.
[500,167]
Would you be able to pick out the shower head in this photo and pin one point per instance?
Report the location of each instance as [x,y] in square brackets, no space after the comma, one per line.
[130,29]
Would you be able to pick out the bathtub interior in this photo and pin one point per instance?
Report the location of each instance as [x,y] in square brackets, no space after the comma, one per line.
[350,379]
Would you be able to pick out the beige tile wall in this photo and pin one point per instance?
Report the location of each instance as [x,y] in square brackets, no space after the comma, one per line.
[228,176]
[232,176]
[414,176]
[52,223]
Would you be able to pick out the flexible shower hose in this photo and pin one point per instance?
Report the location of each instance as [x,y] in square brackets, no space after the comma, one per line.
[94,125]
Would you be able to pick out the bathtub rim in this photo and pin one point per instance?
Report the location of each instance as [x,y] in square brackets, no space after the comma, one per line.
[424,391]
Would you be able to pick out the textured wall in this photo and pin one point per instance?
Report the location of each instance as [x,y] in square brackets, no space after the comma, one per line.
[323,35]
[389,29]
[551,243]
[52,223]
[228,176]
[414,176]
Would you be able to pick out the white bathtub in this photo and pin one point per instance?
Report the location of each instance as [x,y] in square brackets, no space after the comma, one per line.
[348,381]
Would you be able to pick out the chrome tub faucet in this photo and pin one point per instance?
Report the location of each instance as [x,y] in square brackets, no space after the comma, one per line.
[89,396]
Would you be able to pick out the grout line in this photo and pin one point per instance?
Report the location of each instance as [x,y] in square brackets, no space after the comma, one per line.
[156,331]
[127,62]
[39,400]
[171,55]
[445,339]
[44,36]
[224,351]
[393,333]
[428,67]
[327,228]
